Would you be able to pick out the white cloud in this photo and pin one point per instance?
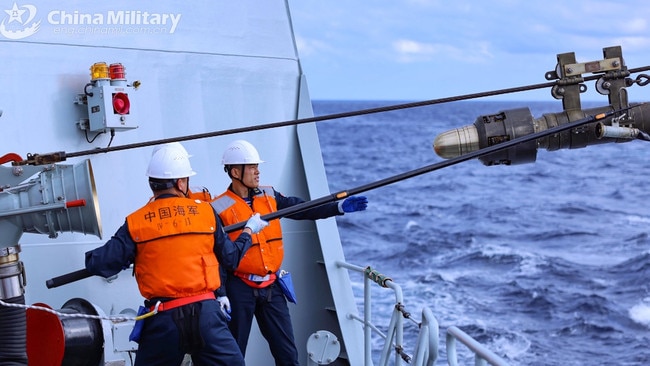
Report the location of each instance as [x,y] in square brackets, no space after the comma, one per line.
[508,41]
[408,51]
[635,25]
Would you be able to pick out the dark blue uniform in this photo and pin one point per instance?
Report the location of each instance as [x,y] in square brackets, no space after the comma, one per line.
[268,305]
[198,328]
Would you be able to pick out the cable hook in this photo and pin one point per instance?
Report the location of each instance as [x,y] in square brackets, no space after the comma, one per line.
[151,313]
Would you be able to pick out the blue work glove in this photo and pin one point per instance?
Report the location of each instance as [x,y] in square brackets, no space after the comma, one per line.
[256,224]
[224,304]
[354,203]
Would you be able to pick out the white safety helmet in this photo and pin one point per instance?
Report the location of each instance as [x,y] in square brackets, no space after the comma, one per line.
[170,161]
[176,145]
[240,152]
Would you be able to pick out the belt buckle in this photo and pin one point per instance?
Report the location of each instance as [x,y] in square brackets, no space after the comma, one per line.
[256,278]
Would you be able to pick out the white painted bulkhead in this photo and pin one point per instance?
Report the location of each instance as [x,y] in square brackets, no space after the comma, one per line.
[221,65]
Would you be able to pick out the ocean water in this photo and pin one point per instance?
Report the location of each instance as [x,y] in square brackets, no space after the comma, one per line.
[545,263]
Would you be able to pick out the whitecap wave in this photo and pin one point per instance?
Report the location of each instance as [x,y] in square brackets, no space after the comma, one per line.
[640,313]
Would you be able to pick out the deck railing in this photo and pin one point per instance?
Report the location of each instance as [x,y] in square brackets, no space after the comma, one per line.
[426,348]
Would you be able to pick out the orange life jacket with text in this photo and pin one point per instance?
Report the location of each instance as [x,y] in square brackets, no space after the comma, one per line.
[175,248]
[266,254]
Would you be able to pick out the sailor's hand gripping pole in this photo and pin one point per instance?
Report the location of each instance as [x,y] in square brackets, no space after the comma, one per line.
[83,273]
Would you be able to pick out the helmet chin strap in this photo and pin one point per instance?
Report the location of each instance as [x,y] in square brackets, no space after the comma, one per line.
[243,171]
[187,187]
[240,180]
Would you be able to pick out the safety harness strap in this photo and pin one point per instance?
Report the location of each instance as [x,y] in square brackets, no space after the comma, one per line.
[171,304]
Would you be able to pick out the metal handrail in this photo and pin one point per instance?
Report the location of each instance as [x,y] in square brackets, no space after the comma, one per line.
[482,354]
[426,349]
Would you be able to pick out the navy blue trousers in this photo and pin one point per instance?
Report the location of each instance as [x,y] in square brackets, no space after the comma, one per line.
[160,342]
[269,307]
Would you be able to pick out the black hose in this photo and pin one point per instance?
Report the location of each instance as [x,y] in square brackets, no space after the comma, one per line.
[13,333]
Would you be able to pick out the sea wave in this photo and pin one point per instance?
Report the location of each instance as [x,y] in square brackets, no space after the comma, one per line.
[546,263]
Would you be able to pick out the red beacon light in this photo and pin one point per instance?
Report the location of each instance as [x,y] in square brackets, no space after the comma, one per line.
[117,74]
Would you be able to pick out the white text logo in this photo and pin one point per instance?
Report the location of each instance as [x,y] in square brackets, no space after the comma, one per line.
[113,18]
[19,22]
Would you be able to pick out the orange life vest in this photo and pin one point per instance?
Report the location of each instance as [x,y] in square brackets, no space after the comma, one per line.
[175,253]
[200,193]
[266,254]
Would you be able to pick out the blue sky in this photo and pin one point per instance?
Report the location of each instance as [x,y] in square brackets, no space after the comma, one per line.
[428,49]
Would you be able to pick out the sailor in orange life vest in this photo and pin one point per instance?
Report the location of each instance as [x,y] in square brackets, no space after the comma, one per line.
[203,194]
[251,287]
[176,245]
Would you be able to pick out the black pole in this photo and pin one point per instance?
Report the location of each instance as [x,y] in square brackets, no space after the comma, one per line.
[83,273]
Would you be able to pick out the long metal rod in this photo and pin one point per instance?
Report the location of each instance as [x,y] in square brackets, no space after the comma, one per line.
[82,273]
[34,209]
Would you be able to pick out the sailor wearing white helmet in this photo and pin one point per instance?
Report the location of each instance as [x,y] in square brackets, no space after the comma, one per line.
[255,288]
[176,245]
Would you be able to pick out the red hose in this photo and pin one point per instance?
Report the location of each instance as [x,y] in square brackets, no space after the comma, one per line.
[10,157]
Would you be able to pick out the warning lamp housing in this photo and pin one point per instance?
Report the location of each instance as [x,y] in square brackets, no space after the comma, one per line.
[109,99]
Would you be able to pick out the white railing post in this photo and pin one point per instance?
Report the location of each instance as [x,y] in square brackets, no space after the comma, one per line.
[426,349]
